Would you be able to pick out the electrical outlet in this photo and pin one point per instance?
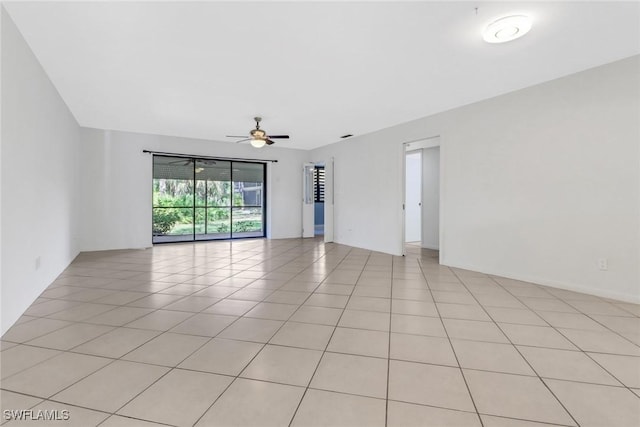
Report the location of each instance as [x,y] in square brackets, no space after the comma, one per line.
[603,264]
[37,263]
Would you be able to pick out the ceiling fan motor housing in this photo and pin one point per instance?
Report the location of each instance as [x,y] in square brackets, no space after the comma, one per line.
[258,133]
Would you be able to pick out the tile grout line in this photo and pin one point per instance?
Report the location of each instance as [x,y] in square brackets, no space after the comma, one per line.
[262,348]
[519,352]
[329,340]
[464,378]
[580,350]
[386,412]
[119,359]
[305,348]
[245,268]
[176,367]
[254,356]
[285,384]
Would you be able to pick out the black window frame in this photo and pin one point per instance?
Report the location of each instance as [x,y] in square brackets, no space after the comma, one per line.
[194,236]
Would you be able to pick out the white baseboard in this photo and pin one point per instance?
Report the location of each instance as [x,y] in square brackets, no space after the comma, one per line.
[623,297]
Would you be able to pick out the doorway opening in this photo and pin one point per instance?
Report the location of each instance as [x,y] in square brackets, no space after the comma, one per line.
[318,199]
[422,197]
[207,199]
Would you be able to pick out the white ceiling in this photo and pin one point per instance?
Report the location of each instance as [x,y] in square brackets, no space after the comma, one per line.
[313,70]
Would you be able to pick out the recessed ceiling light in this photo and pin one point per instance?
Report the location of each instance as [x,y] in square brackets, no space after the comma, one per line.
[507,29]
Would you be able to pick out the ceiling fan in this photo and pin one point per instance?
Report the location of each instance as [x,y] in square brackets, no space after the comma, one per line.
[259,137]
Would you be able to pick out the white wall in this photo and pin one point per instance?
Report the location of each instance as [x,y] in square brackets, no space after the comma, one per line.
[39,162]
[368,192]
[537,184]
[431,198]
[116,185]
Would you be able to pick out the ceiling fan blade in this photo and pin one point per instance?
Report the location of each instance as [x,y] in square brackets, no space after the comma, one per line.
[236,136]
[269,142]
[279,136]
[243,140]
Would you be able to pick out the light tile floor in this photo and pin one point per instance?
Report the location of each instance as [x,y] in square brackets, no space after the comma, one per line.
[302,333]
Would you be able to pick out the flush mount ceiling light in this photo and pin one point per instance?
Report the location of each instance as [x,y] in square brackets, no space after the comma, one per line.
[507,29]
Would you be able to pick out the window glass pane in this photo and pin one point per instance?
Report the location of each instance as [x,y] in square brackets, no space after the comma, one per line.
[172,182]
[184,220]
[172,168]
[201,193]
[172,224]
[215,176]
[218,193]
[247,222]
[172,199]
[218,223]
[200,227]
[248,184]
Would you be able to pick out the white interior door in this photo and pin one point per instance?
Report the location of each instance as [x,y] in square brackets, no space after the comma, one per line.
[413,197]
[431,198]
[308,226]
[328,200]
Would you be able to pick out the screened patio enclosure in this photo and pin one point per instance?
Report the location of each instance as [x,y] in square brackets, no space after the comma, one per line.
[207,199]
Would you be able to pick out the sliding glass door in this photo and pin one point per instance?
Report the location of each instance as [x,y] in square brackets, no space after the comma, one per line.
[173,199]
[206,199]
[248,199]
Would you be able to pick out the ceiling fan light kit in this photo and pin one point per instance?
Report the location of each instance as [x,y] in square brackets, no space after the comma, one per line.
[258,143]
[258,138]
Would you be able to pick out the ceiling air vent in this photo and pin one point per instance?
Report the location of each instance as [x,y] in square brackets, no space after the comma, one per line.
[346,136]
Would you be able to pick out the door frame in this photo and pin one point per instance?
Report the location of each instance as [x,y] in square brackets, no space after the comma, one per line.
[407,153]
[419,144]
[329,199]
[308,203]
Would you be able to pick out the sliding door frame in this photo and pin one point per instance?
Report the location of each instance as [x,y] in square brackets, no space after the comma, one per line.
[193,160]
